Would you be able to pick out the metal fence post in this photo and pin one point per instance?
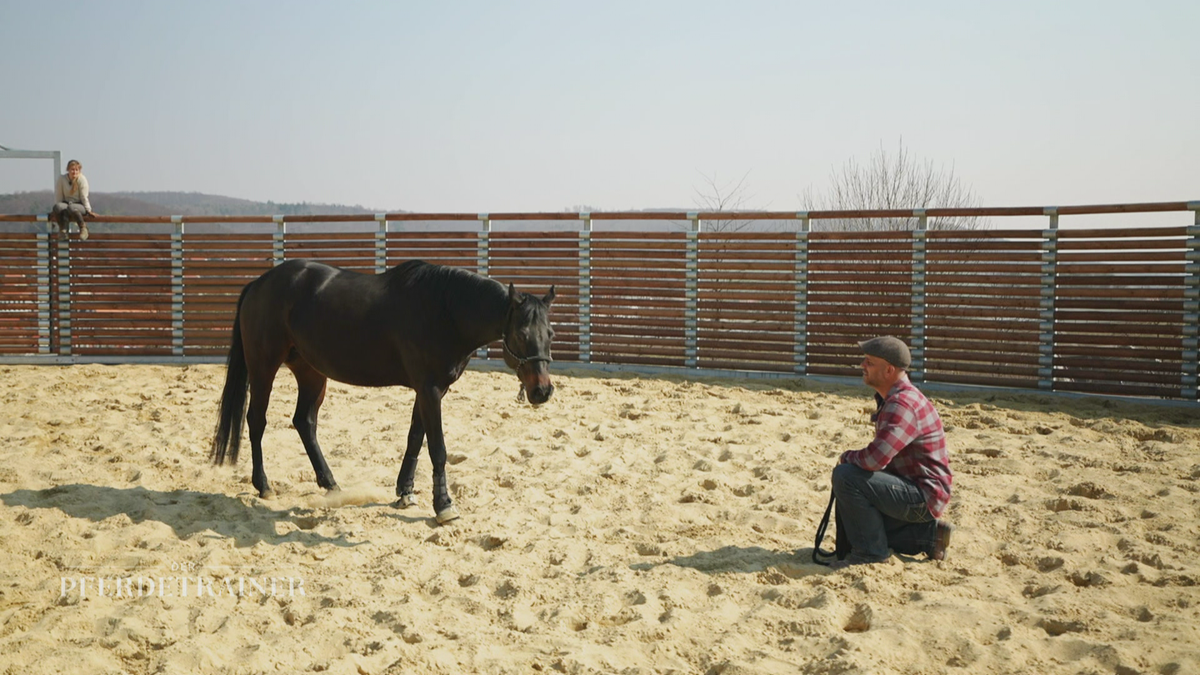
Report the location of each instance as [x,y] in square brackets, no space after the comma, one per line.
[481,259]
[64,293]
[43,287]
[1046,302]
[585,289]
[1191,318]
[381,246]
[692,294]
[917,335]
[800,315]
[277,249]
[177,287]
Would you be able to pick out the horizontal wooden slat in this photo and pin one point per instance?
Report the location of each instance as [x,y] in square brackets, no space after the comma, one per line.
[744,364]
[1120,292]
[832,370]
[939,280]
[1067,341]
[761,302]
[1118,389]
[935,303]
[834,324]
[635,360]
[709,326]
[607,237]
[743,319]
[1067,257]
[935,365]
[758,345]
[979,349]
[105,350]
[943,248]
[1031,269]
[1139,356]
[977,235]
[636,249]
[1067,244]
[835,265]
[1123,232]
[959,258]
[952,292]
[971,329]
[983,380]
[1105,318]
[1116,376]
[638,348]
[637,325]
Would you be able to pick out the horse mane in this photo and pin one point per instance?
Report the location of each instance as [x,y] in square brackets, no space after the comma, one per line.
[421,275]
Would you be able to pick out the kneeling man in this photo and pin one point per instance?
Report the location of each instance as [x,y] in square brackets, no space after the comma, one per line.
[891,493]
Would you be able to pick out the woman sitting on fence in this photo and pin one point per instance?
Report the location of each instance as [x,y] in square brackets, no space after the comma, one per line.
[71,199]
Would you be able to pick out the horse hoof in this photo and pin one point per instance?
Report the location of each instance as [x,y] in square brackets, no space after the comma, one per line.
[266,494]
[448,514]
[406,501]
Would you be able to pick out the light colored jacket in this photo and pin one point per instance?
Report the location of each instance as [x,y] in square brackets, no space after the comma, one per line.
[77,193]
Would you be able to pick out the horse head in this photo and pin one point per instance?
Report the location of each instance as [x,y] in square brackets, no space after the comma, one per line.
[527,336]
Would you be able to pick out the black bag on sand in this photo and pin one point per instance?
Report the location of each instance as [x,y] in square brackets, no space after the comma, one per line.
[841,544]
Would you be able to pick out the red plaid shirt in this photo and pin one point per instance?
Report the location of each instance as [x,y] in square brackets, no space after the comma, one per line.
[909,442]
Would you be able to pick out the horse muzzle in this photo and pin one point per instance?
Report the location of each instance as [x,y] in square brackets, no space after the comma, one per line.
[540,393]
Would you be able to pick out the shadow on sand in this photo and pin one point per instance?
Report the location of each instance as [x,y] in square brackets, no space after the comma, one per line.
[748,560]
[247,522]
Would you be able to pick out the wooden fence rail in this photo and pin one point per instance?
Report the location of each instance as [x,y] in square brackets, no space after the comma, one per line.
[1100,310]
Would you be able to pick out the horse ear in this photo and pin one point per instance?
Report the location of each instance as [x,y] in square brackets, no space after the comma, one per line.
[512,295]
[549,297]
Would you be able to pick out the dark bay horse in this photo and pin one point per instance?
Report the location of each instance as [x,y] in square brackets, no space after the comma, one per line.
[416,325]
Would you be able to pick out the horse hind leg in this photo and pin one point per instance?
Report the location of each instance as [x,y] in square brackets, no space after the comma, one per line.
[256,421]
[408,470]
[311,384]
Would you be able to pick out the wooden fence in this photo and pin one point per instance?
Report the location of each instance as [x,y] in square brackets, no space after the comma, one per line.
[1100,310]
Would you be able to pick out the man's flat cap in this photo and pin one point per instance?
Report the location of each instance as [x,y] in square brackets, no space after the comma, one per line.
[888,348]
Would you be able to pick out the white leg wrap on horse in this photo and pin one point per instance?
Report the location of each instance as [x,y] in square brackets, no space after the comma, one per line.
[447,515]
[407,501]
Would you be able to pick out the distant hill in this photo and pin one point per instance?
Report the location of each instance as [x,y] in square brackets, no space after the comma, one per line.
[172,204]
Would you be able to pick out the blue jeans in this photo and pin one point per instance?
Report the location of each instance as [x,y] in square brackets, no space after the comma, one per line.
[880,510]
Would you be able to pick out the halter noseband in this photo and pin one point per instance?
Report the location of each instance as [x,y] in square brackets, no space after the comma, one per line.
[522,360]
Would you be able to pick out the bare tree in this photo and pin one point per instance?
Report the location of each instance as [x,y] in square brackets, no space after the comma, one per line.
[894,182]
[721,198]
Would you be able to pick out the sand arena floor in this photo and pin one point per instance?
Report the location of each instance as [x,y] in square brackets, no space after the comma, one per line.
[631,525]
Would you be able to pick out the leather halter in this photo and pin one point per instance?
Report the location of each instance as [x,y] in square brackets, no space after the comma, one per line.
[522,360]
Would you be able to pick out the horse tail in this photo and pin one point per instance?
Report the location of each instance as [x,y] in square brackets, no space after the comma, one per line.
[233,399]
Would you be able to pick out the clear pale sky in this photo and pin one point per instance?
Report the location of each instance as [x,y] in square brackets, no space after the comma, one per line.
[478,106]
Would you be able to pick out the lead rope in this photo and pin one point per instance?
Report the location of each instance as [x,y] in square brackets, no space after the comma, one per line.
[821,535]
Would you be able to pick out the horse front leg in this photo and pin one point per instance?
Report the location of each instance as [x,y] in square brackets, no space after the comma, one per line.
[408,469]
[308,405]
[430,400]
